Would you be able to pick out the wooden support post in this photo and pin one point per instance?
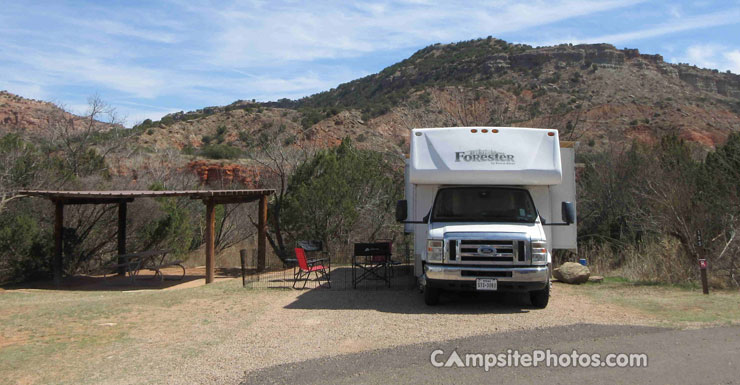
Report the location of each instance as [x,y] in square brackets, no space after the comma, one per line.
[121,236]
[210,240]
[243,258]
[58,241]
[262,233]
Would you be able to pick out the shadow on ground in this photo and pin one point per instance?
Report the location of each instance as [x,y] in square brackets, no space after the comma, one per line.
[403,297]
[145,281]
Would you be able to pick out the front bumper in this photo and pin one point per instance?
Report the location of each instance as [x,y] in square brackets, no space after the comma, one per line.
[509,278]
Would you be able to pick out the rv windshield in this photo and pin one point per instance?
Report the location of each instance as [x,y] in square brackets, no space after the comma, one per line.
[483,204]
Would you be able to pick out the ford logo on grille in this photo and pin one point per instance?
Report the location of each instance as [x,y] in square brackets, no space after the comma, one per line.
[486,250]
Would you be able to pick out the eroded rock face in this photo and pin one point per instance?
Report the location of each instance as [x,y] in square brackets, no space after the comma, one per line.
[604,55]
[726,84]
[226,174]
[571,272]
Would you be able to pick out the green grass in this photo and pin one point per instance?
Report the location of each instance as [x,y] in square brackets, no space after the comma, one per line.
[672,305]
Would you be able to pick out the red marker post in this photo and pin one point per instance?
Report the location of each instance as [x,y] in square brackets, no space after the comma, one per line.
[703,270]
[702,264]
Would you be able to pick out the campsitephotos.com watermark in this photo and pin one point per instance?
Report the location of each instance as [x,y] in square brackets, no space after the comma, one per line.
[537,358]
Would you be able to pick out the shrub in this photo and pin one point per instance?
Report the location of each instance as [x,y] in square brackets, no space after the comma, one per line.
[189,150]
[220,151]
[220,132]
[342,193]
[311,117]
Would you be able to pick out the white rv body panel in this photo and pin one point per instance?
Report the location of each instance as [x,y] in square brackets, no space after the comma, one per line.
[418,207]
[484,155]
[501,156]
[564,237]
[543,202]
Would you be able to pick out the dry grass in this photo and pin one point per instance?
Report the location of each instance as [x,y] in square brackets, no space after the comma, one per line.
[670,305]
[216,333]
[98,337]
[651,262]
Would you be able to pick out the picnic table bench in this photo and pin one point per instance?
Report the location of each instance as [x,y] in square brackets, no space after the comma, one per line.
[153,260]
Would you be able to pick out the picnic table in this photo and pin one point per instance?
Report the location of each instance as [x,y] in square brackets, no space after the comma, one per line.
[153,260]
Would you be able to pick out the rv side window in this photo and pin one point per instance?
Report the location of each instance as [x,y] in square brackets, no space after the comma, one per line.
[483,204]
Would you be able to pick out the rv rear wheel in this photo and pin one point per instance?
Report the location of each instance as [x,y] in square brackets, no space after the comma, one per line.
[540,298]
[431,295]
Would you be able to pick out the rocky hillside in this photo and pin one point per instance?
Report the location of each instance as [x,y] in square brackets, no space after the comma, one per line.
[39,119]
[594,93]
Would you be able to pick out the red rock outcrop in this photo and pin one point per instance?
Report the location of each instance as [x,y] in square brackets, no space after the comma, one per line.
[227,174]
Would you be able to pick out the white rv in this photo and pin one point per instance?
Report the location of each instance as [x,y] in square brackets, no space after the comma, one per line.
[482,203]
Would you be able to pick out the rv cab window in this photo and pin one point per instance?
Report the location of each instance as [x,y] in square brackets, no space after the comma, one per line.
[483,204]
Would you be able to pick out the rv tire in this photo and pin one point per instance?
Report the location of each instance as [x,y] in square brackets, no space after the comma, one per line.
[540,298]
[431,295]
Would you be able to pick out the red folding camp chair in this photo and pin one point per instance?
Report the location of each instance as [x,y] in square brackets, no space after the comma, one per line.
[306,267]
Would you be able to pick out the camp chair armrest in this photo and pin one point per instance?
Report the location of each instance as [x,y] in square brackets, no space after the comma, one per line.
[317,261]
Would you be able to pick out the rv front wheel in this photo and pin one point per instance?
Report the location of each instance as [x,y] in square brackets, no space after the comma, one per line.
[540,298]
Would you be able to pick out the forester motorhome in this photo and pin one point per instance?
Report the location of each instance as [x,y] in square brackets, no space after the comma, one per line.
[481,203]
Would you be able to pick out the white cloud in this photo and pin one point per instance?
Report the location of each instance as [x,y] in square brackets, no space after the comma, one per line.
[726,17]
[115,28]
[69,68]
[339,29]
[712,56]
[733,61]
[132,117]
[675,11]
[28,90]
[703,55]
[157,57]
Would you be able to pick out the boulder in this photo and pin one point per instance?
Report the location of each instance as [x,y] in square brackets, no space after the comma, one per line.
[596,279]
[571,272]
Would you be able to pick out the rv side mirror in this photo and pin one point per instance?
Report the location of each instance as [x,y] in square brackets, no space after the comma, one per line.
[568,211]
[401,210]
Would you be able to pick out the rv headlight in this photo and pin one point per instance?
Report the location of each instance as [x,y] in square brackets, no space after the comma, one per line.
[435,250]
[539,252]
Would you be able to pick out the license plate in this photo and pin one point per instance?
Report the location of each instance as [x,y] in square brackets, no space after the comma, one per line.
[486,284]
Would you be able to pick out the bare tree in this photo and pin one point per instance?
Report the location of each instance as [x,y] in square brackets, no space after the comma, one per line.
[568,123]
[76,136]
[277,163]
[234,226]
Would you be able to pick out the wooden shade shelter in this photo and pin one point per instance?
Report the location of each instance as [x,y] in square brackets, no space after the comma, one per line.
[210,198]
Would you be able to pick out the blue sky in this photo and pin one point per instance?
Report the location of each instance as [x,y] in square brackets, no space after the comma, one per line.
[150,58]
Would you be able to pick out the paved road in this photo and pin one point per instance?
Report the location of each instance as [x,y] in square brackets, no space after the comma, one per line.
[703,356]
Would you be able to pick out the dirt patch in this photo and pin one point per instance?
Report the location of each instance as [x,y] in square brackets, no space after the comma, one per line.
[296,325]
[216,333]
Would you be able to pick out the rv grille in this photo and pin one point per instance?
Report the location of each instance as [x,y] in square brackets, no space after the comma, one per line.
[522,255]
[490,251]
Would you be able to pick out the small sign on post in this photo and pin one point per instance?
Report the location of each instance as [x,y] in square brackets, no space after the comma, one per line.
[698,239]
[703,270]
